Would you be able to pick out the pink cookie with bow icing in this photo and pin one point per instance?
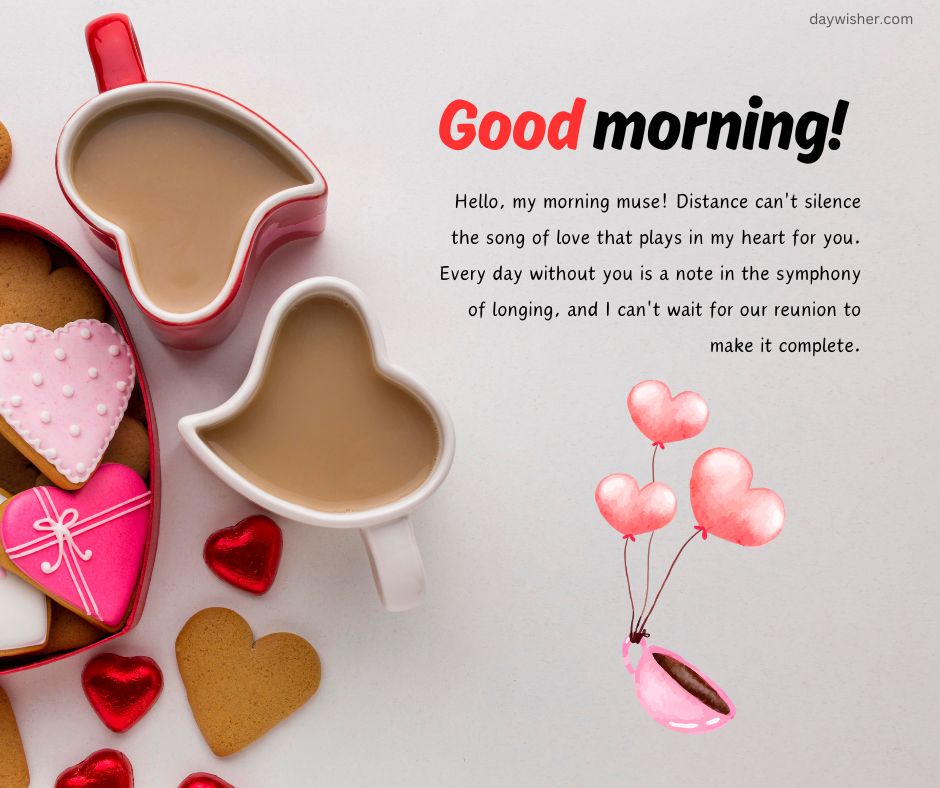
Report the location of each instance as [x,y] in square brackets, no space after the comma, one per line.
[63,394]
[85,548]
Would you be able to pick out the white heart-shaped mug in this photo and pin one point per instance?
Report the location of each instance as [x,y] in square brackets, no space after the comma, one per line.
[387,529]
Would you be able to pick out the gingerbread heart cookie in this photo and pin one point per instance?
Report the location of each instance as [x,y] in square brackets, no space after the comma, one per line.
[69,632]
[240,688]
[14,771]
[130,446]
[16,472]
[6,149]
[63,394]
[33,291]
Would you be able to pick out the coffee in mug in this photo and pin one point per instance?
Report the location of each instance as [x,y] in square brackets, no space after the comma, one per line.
[325,429]
[182,181]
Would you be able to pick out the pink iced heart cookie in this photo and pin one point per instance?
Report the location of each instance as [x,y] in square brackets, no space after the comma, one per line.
[725,505]
[85,548]
[63,393]
[663,418]
[631,510]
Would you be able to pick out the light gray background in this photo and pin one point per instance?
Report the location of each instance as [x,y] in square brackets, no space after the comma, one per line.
[511,674]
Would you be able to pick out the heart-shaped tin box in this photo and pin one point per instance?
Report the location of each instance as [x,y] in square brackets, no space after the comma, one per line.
[285,211]
[63,256]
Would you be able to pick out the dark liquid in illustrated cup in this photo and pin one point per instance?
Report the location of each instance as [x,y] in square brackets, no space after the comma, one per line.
[182,182]
[691,682]
[325,429]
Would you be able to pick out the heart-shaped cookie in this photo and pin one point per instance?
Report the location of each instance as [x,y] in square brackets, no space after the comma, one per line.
[32,290]
[663,418]
[246,554]
[85,548]
[632,510]
[121,690]
[14,771]
[63,394]
[68,632]
[239,688]
[725,505]
[16,472]
[101,769]
[6,149]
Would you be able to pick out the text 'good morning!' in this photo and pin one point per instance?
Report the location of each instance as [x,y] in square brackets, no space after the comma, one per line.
[462,124]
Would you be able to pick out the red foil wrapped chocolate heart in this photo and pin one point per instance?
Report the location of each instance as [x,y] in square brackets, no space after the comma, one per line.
[246,554]
[102,769]
[121,690]
[204,780]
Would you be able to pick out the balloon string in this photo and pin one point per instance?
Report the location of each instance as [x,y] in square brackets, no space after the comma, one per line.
[642,625]
[626,571]
[649,544]
[646,595]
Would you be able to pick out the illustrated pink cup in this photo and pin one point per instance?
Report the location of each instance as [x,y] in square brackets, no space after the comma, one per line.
[676,694]
[287,215]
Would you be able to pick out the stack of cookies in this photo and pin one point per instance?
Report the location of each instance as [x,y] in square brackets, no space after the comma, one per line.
[75,503]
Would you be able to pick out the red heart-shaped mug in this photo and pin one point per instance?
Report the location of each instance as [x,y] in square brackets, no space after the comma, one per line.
[286,214]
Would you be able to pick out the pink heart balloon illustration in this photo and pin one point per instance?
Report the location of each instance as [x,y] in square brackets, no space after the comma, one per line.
[725,505]
[632,510]
[663,418]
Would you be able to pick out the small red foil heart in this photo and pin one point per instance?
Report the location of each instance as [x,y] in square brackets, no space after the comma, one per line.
[246,554]
[121,690]
[102,769]
[204,780]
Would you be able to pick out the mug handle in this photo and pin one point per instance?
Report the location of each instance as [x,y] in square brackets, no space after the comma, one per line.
[625,650]
[115,53]
[396,564]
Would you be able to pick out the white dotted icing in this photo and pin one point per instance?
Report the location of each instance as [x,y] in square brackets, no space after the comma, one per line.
[53,377]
